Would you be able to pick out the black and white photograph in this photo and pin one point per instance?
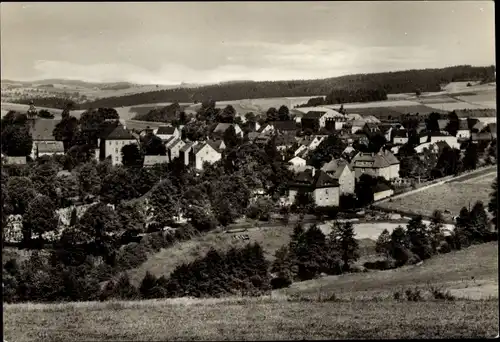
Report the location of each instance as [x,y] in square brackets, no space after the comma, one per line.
[249,170]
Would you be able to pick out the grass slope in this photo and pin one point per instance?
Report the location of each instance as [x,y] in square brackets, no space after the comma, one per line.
[275,317]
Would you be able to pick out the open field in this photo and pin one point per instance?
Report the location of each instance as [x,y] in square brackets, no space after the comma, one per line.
[451,196]
[275,317]
[452,271]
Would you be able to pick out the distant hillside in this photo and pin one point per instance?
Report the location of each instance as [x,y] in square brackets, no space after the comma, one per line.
[426,80]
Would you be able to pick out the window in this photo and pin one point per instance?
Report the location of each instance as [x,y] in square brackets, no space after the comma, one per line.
[116,150]
[326,191]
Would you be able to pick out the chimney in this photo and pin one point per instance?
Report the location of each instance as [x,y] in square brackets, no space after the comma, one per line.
[313,170]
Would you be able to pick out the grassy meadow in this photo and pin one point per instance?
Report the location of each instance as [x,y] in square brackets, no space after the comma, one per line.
[364,308]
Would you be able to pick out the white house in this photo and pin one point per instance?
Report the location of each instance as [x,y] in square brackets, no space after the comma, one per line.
[166,132]
[221,128]
[320,118]
[312,142]
[340,170]
[174,147]
[186,150]
[446,137]
[266,129]
[399,137]
[205,153]
[381,164]
[42,133]
[297,163]
[463,132]
[114,142]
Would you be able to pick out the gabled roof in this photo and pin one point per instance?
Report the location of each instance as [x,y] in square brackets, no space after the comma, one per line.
[50,146]
[357,123]
[384,128]
[313,114]
[173,142]
[152,160]
[354,116]
[42,129]
[289,125]
[335,167]
[371,125]
[214,144]
[120,133]
[305,179]
[188,146]
[222,127]
[400,133]
[298,159]
[166,130]
[441,145]
[376,160]
[391,159]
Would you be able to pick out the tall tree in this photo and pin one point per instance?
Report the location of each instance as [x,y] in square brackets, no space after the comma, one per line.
[383,244]
[21,192]
[342,238]
[40,217]
[227,115]
[230,138]
[66,131]
[331,147]
[101,223]
[131,156]
[419,238]
[118,186]
[431,122]
[283,113]
[89,182]
[453,123]
[152,145]
[272,114]
[164,201]
[16,140]
[471,157]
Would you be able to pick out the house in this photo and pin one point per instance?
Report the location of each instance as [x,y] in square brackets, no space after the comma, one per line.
[296,163]
[354,116]
[166,132]
[371,128]
[444,136]
[483,136]
[266,129]
[324,189]
[361,138]
[185,151]
[221,128]
[356,125]
[316,119]
[300,150]
[153,160]
[311,142]
[49,148]
[173,147]
[285,127]
[253,126]
[349,152]
[42,132]
[340,170]
[217,144]
[463,132]
[381,164]
[421,127]
[423,137]
[262,139]
[381,191]
[148,130]
[111,144]
[284,141]
[12,160]
[399,137]
[477,126]
[207,152]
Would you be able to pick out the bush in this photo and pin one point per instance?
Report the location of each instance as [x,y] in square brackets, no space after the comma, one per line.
[439,294]
[380,265]
[283,279]
[122,289]
[331,212]
[413,295]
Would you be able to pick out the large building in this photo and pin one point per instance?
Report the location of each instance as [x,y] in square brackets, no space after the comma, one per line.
[382,164]
[340,170]
[323,188]
[111,144]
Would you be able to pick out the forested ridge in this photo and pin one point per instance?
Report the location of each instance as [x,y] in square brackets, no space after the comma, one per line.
[424,80]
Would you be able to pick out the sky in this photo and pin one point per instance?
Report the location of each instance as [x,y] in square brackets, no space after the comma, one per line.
[208,42]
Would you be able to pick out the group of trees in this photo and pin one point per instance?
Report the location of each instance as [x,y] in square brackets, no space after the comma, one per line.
[16,136]
[420,241]
[311,253]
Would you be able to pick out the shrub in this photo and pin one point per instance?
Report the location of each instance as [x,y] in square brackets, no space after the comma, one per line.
[380,264]
[122,289]
[413,295]
[439,294]
[283,279]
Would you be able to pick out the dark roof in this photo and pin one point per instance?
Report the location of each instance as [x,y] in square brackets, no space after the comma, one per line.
[42,129]
[285,139]
[371,125]
[152,160]
[165,130]
[400,133]
[253,135]
[463,125]
[215,144]
[187,146]
[321,179]
[120,133]
[222,127]
[289,125]
[379,187]
[313,115]
[481,136]
[441,145]
[443,123]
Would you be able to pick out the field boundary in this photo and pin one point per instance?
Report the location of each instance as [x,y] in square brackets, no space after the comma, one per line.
[441,181]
